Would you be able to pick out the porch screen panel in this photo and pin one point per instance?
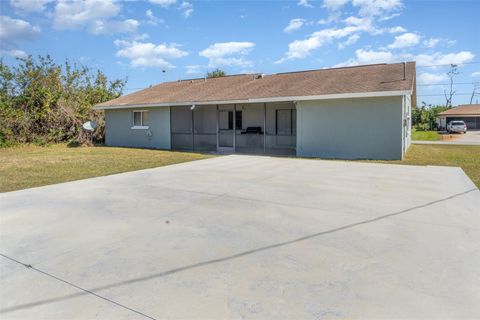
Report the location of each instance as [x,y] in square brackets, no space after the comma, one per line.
[181,128]
[249,128]
[284,122]
[205,128]
[281,129]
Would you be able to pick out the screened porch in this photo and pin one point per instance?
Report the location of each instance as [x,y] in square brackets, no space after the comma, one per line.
[261,128]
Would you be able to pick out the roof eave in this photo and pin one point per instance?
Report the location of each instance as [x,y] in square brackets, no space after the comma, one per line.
[264,100]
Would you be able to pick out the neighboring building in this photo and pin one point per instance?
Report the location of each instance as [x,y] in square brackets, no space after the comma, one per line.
[361,112]
[469,113]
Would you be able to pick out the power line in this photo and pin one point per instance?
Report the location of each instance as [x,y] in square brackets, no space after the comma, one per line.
[442,95]
[448,64]
[444,84]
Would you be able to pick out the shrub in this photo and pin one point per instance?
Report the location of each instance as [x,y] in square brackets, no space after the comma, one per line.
[43,102]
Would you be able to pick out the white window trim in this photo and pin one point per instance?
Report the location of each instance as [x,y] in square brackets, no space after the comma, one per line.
[141,127]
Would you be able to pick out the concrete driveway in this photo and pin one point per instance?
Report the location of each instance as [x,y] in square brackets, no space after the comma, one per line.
[471,137]
[245,237]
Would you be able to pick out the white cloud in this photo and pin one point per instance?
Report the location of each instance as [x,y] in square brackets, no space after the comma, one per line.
[146,54]
[334,4]
[389,17]
[363,56]
[434,42]
[228,54]
[163,3]
[195,69]
[351,40]
[369,11]
[405,40]
[355,21]
[450,42]
[332,17]
[304,3]
[377,7]
[94,15]
[438,58]
[76,15]
[431,43]
[25,6]
[15,53]
[372,56]
[152,19]
[397,29]
[476,74]
[364,24]
[109,27]
[15,30]
[431,78]
[186,8]
[300,49]
[294,24]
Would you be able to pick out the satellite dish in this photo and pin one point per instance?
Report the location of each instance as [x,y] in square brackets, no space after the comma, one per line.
[89,125]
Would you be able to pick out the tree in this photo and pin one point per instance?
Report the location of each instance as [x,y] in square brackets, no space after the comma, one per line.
[475,91]
[43,102]
[423,118]
[217,73]
[451,74]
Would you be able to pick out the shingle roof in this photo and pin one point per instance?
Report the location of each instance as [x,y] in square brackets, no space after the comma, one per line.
[464,109]
[359,79]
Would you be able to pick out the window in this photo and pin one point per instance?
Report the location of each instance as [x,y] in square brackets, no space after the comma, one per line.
[226,120]
[140,120]
[238,120]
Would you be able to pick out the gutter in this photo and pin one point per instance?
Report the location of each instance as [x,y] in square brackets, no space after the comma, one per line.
[263,100]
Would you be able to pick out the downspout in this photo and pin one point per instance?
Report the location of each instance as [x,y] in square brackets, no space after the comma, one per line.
[193,128]
[234,127]
[218,130]
[264,127]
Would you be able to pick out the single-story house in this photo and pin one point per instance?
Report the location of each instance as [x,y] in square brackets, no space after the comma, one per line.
[469,113]
[361,112]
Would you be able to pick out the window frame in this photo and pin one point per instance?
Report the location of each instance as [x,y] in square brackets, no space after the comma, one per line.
[142,126]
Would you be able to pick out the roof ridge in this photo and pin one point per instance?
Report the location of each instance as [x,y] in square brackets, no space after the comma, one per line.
[345,67]
[212,78]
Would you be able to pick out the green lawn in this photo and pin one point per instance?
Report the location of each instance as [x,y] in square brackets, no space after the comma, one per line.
[426,135]
[32,166]
[466,157]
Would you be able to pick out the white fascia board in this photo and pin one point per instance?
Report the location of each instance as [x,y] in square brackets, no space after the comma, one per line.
[458,115]
[265,100]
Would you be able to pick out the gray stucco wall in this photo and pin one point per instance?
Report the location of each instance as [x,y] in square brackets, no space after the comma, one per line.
[119,132]
[361,128]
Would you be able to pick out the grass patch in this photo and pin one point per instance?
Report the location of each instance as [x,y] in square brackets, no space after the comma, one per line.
[32,166]
[466,157]
[426,135]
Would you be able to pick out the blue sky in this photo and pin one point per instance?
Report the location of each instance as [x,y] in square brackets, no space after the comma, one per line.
[140,39]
